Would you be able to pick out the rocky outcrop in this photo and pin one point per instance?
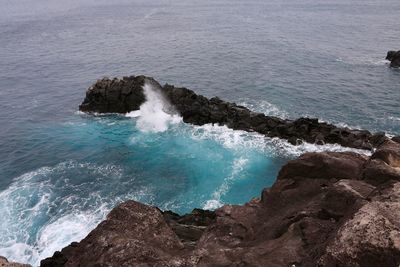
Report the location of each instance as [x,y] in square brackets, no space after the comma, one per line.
[5,263]
[114,96]
[325,209]
[394,58]
[126,94]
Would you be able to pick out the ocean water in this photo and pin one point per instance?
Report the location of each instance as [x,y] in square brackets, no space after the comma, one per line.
[61,171]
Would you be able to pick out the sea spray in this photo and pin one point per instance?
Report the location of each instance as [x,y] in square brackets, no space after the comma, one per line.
[156,113]
[239,139]
[46,209]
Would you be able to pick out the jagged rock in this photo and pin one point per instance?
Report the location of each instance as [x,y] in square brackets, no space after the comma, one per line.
[327,165]
[125,95]
[114,96]
[189,227]
[5,263]
[394,58]
[389,152]
[372,236]
[384,164]
[322,211]
[396,139]
[132,235]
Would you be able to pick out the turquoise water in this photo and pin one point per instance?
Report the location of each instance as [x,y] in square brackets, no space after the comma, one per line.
[62,171]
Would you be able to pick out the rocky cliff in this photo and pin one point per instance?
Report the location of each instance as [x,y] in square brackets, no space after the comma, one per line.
[394,58]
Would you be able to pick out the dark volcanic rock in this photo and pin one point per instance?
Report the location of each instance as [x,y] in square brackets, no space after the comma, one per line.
[125,95]
[394,58]
[114,96]
[322,211]
[189,227]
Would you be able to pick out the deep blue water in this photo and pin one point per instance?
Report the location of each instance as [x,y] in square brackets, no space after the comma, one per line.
[62,171]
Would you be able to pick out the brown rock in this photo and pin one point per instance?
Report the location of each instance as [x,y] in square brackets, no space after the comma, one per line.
[384,164]
[389,152]
[132,235]
[5,263]
[371,237]
[325,165]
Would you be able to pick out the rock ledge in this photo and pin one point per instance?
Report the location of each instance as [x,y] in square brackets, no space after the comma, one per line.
[126,94]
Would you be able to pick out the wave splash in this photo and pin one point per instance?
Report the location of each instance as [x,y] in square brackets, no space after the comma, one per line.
[45,210]
[156,113]
[239,140]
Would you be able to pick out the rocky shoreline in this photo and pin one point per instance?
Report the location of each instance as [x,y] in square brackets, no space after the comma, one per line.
[325,209]
[126,95]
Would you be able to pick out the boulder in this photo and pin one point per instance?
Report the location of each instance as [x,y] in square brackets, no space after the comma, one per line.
[325,165]
[114,95]
[394,58]
[384,164]
[372,236]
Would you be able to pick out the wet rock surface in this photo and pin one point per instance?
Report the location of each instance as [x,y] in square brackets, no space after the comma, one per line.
[325,209]
[394,58]
[126,94]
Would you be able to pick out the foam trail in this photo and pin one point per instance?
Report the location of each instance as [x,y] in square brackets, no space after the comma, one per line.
[393,118]
[155,114]
[239,140]
[216,202]
[265,107]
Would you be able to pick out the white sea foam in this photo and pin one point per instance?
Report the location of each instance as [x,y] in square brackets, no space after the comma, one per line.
[361,60]
[68,228]
[155,114]
[44,210]
[392,118]
[265,107]
[239,140]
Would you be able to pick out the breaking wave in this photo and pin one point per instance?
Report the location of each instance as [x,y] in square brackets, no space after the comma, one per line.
[45,210]
[155,114]
[237,139]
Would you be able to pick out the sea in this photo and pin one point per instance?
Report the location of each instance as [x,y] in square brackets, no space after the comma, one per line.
[62,171]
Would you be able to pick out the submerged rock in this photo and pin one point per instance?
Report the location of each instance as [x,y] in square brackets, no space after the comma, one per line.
[125,95]
[394,58]
[322,211]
